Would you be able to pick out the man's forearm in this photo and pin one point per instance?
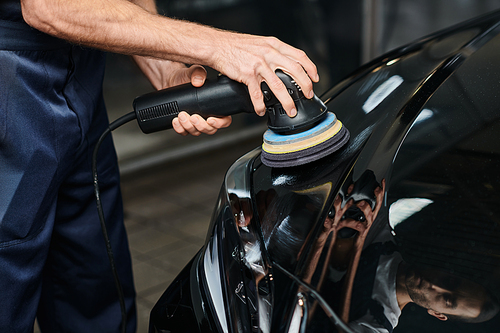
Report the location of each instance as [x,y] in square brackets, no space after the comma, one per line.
[120,26]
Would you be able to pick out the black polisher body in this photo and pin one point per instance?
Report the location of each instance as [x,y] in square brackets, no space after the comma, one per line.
[222,97]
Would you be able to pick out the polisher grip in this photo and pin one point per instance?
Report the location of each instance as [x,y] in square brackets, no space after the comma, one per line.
[222,97]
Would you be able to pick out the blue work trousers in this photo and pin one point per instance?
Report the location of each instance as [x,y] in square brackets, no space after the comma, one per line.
[53,261]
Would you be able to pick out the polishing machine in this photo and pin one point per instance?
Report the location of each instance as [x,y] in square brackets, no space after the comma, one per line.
[311,134]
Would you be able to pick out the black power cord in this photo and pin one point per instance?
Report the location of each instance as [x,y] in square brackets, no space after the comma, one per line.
[114,125]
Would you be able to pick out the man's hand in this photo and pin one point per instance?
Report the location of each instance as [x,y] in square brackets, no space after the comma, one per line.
[164,74]
[252,59]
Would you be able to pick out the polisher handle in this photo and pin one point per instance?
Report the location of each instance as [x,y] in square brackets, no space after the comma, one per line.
[222,97]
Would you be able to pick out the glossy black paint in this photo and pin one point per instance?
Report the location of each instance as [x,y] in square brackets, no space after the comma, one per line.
[417,187]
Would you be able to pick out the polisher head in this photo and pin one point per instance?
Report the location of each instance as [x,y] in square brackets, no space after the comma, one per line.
[312,134]
[281,150]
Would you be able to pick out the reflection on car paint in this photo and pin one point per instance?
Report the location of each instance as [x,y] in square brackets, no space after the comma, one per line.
[382,92]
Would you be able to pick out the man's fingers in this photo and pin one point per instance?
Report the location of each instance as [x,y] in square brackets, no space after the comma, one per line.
[186,126]
[297,72]
[279,90]
[194,124]
[257,97]
[219,123]
[201,126]
[178,127]
[211,125]
[301,60]
[310,68]
[303,80]
[195,74]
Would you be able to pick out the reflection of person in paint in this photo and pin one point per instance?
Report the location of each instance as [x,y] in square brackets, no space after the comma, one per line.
[445,296]
[396,284]
[393,283]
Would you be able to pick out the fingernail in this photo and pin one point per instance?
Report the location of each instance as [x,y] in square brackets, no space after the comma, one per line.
[316,77]
[293,113]
[194,120]
[182,117]
[197,79]
[310,94]
[211,122]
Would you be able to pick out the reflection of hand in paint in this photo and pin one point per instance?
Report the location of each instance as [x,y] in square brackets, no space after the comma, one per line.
[355,215]
[362,224]
[346,217]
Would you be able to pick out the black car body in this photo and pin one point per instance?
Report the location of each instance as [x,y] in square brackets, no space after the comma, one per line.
[415,194]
